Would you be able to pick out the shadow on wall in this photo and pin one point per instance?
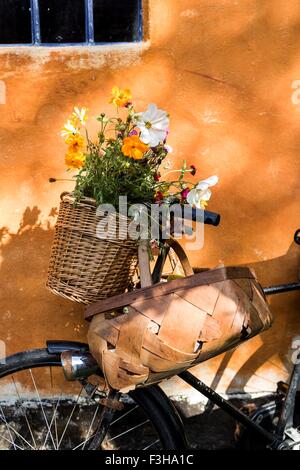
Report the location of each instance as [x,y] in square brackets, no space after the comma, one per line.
[285,308]
[29,313]
[278,339]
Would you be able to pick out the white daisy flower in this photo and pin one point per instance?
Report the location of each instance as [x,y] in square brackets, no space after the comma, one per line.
[153,125]
[81,115]
[69,129]
[199,196]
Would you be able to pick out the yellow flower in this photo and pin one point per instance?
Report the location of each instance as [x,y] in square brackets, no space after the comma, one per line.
[75,142]
[133,147]
[120,98]
[75,160]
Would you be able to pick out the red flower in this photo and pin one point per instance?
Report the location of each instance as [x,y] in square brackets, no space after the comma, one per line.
[157,176]
[159,196]
[184,194]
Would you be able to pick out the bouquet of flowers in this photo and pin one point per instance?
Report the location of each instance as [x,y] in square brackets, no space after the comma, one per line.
[128,157]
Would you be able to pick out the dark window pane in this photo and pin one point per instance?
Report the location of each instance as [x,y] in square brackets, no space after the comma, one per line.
[62,21]
[15,22]
[116,20]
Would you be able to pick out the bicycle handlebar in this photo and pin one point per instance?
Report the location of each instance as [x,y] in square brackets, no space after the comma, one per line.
[196,215]
[211,218]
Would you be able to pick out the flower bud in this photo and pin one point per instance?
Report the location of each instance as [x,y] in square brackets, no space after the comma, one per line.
[193,170]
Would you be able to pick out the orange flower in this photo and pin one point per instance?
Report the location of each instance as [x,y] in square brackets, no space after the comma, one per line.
[120,98]
[75,160]
[133,147]
[75,142]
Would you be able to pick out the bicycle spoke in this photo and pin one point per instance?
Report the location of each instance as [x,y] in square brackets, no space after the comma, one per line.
[9,427]
[2,413]
[84,442]
[51,422]
[69,419]
[11,442]
[104,423]
[150,445]
[91,426]
[89,437]
[55,410]
[129,430]
[24,412]
[43,411]
[123,416]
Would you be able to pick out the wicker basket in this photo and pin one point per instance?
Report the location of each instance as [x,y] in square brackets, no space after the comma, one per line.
[142,337]
[83,267]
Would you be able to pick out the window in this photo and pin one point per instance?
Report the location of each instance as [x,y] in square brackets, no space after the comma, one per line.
[15,22]
[68,22]
[62,21]
[123,24]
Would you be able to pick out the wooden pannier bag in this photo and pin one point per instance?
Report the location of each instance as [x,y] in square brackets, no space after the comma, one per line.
[142,337]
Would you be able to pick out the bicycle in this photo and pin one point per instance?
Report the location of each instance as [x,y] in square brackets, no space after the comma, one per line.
[47,416]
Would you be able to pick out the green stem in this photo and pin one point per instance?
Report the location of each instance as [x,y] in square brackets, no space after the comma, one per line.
[173,183]
[178,171]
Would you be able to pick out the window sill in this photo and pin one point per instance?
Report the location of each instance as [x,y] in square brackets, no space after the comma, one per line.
[76,46]
[34,58]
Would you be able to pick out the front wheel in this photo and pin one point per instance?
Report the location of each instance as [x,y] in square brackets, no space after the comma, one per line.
[40,410]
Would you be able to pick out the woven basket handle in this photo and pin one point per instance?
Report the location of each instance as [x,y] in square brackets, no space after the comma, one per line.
[66,195]
[144,264]
[182,256]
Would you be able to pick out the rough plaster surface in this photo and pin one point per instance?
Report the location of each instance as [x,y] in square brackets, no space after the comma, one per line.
[226,72]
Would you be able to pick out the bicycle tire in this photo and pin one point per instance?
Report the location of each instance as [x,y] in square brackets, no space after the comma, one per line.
[160,411]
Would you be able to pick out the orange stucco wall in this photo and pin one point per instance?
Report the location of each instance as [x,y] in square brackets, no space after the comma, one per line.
[225,70]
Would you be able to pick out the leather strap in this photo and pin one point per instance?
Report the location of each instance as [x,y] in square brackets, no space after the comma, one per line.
[207,277]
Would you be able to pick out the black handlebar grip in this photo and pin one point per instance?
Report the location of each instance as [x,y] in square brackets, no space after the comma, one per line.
[209,218]
[297,237]
[197,215]
[212,218]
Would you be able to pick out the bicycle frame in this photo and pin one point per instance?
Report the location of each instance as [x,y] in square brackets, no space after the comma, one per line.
[275,441]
